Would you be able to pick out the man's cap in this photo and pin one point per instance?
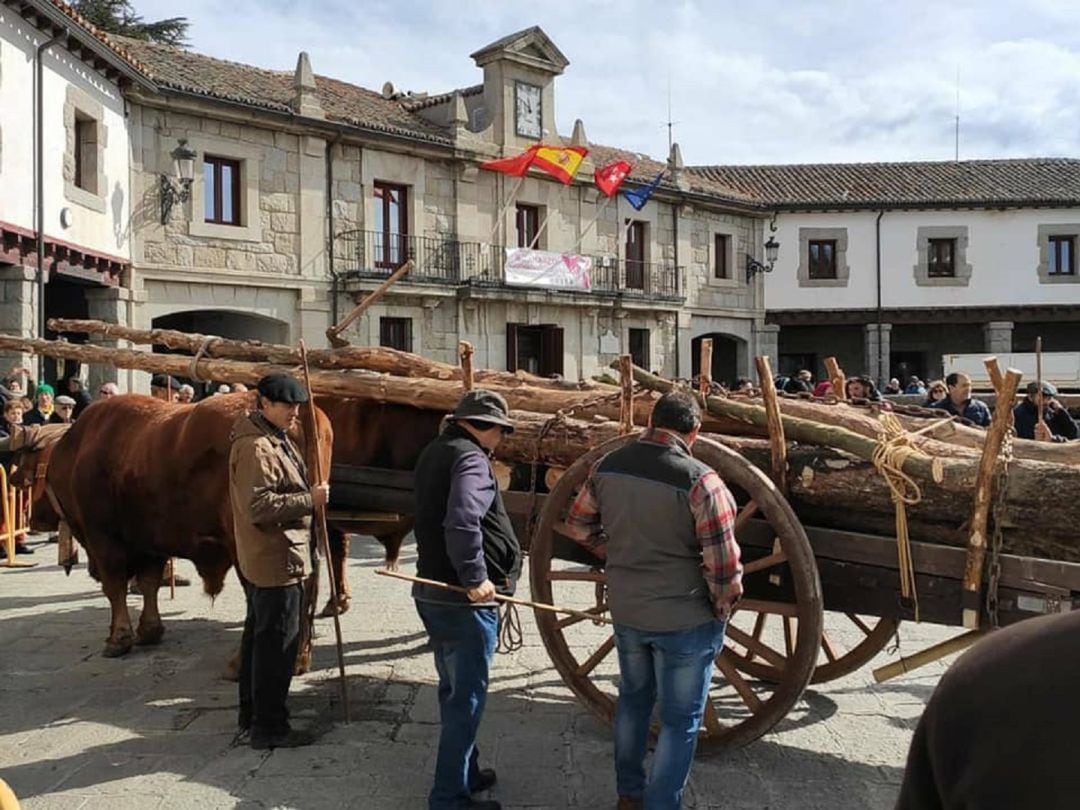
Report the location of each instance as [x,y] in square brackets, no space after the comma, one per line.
[45,388]
[479,405]
[1048,389]
[282,387]
[64,399]
[164,381]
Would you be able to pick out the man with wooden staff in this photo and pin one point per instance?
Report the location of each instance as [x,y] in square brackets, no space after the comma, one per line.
[665,524]
[463,537]
[272,505]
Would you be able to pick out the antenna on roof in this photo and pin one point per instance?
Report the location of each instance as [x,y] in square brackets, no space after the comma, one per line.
[669,123]
[956,153]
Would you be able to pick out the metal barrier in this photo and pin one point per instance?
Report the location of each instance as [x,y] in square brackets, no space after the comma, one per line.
[16,506]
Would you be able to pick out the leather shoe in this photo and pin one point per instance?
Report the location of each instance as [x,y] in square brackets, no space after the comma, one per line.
[630,803]
[485,780]
[482,804]
[20,548]
[293,738]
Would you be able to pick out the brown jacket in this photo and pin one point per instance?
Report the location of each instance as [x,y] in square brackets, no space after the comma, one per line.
[271,505]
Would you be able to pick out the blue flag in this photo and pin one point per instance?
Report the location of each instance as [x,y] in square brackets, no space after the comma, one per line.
[639,196]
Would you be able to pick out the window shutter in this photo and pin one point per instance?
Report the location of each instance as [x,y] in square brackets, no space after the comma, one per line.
[511,346]
[553,350]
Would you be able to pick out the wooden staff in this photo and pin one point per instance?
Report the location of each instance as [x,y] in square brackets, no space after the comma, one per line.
[984,491]
[465,352]
[626,381]
[777,442]
[928,656]
[321,534]
[836,377]
[1039,401]
[705,368]
[581,614]
[373,296]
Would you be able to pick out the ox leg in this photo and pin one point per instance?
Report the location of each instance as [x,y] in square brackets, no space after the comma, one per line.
[306,646]
[150,628]
[114,585]
[339,553]
[392,543]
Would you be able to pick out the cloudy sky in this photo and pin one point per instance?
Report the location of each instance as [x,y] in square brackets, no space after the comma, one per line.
[785,82]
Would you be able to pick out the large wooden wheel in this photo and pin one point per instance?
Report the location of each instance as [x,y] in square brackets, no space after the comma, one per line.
[738,710]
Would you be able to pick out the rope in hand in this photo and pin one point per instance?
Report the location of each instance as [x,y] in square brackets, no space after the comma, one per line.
[511,637]
[894,448]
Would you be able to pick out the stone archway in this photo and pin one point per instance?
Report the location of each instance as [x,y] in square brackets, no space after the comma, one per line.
[727,349]
[226,323]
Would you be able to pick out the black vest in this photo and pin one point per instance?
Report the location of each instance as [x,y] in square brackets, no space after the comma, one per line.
[502,552]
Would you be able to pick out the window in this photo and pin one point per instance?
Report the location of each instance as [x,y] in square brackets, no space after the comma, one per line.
[639,348]
[720,263]
[822,258]
[396,333]
[941,258]
[1061,258]
[86,154]
[391,225]
[534,349]
[221,192]
[528,225]
[635,256]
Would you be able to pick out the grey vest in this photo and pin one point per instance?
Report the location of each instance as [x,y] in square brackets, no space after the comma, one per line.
[654,563]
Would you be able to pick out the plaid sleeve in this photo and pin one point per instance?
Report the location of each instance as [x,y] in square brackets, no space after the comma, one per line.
[583,518]
[714,509]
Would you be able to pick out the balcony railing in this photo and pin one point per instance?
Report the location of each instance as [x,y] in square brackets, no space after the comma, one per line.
[372,254]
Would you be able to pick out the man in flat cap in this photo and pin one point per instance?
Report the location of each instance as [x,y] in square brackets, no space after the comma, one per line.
[164,387]
[272,505]
[1054,424]
[463,537]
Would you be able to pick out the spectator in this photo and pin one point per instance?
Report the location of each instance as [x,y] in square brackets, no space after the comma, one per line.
[894,386]
[65,410]
[936,392]
[803,382]
[44,409]
[823,388]
[13,415]
[185,393]
[743,386]
[164,387]
[223,389]
[1055,425]
[78,394]
[109,389]
[958,402]
[863,388]
[239,388]
[915,386]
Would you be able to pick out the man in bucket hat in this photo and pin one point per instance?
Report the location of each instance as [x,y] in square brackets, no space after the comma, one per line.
[464,538]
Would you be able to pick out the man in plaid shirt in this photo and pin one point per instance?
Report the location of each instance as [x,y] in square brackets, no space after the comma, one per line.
[665,525]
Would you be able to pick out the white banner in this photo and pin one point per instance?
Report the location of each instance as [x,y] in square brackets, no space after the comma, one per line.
[539,268]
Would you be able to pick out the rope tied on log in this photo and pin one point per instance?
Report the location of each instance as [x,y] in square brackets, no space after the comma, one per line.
[204,347]
[894,447]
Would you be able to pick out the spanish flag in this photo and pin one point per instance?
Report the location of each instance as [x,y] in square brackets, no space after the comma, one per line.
[561,162]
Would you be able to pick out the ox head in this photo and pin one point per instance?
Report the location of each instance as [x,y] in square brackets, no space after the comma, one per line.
[31,447]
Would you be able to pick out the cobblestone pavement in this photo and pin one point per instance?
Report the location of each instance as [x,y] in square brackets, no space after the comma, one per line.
[155,729]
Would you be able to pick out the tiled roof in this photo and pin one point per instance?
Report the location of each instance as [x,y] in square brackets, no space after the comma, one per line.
[1028,181]
[415,103]
[195,73]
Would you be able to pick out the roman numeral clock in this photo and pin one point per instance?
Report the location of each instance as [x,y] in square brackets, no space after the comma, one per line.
[527,110]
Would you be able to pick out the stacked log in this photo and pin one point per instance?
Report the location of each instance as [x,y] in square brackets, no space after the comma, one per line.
[830,479]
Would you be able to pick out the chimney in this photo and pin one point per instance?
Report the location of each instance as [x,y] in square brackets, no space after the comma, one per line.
[459,115]
[675,167]
[306,98]
[578,138]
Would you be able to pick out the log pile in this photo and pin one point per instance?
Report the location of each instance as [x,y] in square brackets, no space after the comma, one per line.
[830,478]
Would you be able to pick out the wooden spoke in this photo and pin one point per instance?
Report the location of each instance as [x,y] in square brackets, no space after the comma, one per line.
[745,514]
[569,621]
[763,606]
[828,648]
[738,683]
[759,627]
[859,623]
[760,648]
[764,562]
[789,635]
[594,660]
[578,576]
[712,721]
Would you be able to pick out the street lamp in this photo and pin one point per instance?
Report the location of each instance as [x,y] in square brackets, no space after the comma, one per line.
[772,248]
[176,188]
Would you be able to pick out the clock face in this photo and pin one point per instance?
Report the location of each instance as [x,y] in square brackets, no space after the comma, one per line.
[527,112]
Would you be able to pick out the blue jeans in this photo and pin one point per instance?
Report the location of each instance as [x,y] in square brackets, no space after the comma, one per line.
[463,640]
[677,667]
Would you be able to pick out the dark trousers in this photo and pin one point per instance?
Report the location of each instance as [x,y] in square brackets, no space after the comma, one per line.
[268,651]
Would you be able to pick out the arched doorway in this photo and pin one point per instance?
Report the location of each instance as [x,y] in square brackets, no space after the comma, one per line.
[222,323]
[725,356]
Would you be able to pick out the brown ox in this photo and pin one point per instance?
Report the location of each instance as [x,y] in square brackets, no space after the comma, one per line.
[372,434]
[138,481]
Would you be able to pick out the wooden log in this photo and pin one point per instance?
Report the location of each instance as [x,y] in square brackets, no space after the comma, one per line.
[777,442]
[836,377]
[465,352]
[984,491]
[626,386]
[369,299]
[371,358]
[705,366]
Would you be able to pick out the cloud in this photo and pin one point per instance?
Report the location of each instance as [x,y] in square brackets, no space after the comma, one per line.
[831,80]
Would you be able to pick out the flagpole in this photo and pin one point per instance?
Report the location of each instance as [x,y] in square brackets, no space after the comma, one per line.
[593,221]
[503,210]
[540,230]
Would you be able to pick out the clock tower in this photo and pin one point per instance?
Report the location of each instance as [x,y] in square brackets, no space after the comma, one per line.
[518,109]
